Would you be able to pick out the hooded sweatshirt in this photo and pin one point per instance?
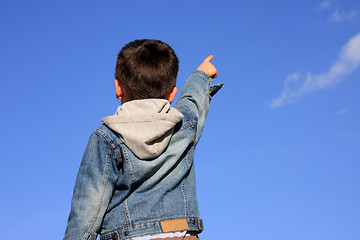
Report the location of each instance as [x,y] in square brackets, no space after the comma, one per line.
[145,126]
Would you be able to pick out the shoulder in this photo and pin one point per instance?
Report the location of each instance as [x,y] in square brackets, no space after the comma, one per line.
[106,136]
[190,119]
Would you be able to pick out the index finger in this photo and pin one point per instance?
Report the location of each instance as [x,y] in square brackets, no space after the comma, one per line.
[208,59]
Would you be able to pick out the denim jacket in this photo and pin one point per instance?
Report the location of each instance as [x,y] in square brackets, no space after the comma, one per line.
[120,195]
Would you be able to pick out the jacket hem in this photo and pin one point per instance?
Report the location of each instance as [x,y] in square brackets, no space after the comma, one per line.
[149,228]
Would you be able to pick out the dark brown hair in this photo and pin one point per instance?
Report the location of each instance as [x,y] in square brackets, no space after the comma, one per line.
[147,69]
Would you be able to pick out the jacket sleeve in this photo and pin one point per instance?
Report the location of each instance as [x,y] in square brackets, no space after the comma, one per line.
[93,189]
[195,96]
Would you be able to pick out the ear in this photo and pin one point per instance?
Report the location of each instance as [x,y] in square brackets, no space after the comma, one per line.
[172,94]
[119,89]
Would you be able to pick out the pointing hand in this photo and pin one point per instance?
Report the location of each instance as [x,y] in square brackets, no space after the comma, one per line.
[207,67]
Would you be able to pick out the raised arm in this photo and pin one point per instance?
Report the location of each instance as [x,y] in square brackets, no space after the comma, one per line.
[197,92]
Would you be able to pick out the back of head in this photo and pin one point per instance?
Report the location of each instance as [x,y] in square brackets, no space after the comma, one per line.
[147,69]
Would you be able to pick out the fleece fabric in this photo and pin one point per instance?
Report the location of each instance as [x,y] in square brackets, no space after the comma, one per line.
[145,126]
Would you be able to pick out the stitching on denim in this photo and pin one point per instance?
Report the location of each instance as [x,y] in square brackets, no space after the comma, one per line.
[124,227]
[118,155]
[128,166]
[114,145]
[109,233]
[185,198]
[127,163]
[87,235]
[188,161]
[192,121]
[107,138]
[203,100]
[127,213]
[105,178]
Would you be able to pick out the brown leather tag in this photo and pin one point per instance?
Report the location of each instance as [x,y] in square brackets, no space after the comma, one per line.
[174,225]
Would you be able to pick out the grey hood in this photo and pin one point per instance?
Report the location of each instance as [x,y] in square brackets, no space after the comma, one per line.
[145,126]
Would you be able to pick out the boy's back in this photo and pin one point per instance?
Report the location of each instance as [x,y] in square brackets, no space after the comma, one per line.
[137,175]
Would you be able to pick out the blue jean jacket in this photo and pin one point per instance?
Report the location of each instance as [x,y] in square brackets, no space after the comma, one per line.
[121,196]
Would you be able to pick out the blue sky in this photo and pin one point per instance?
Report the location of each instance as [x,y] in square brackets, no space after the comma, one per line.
[280,154]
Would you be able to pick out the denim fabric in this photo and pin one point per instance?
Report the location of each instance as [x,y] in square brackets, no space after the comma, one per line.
[121,196]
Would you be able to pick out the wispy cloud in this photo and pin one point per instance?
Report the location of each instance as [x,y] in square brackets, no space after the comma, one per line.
[297,84]
[339,15]
[325,4]
[342,111]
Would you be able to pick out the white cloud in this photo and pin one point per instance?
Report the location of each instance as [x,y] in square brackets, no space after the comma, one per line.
[297,84]
[342,111]
[340,15]
[325,5]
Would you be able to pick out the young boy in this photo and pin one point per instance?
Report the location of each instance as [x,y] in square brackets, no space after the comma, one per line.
[136,179]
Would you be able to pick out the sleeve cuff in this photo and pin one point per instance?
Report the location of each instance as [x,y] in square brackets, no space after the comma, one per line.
[215,88]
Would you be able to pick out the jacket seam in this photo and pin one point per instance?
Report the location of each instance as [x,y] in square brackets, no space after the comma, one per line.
[105,178]
[193,123]
[111,142]
[115,229]
[127,164]
[126,210]
[185,198]
[106,136]
[127,213]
